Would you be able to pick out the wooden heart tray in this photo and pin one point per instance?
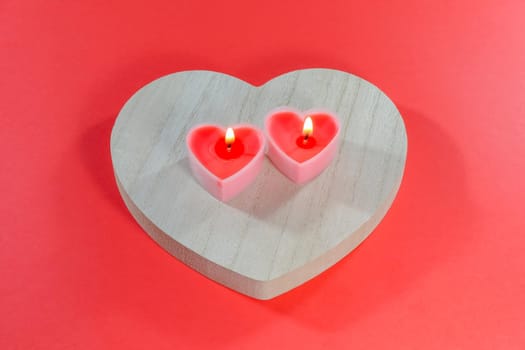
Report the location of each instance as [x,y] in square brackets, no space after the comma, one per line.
[276,234]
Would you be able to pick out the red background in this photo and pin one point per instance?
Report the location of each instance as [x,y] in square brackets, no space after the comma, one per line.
[444,270]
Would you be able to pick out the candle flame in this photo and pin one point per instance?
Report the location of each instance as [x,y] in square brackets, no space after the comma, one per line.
[308,127]
[229,138]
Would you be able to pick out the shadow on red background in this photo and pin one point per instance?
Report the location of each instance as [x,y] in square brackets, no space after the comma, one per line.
[402,249]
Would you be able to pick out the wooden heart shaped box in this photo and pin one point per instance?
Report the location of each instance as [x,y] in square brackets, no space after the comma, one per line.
[276,234]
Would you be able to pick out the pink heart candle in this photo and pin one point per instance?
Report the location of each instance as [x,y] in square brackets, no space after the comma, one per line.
[225,162]
[301,145]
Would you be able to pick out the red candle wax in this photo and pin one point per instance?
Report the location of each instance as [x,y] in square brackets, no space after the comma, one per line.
[301,147]
[225,166]
[210,148]
[229,151]
[286,130]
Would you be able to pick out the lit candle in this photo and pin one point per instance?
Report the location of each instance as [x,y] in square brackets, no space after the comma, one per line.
[225,162]
[227,148]
[229,138]
[294,148]
[306,140]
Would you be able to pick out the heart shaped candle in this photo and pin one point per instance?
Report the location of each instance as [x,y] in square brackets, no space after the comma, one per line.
[301,145]
[225,162]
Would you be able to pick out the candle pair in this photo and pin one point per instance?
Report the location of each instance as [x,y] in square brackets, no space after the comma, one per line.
[300,145]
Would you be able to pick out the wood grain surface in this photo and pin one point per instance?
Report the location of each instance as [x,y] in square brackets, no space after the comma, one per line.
[275,235]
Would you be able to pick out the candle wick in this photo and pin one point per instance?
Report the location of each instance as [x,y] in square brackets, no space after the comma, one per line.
[229,147]
[305,139]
